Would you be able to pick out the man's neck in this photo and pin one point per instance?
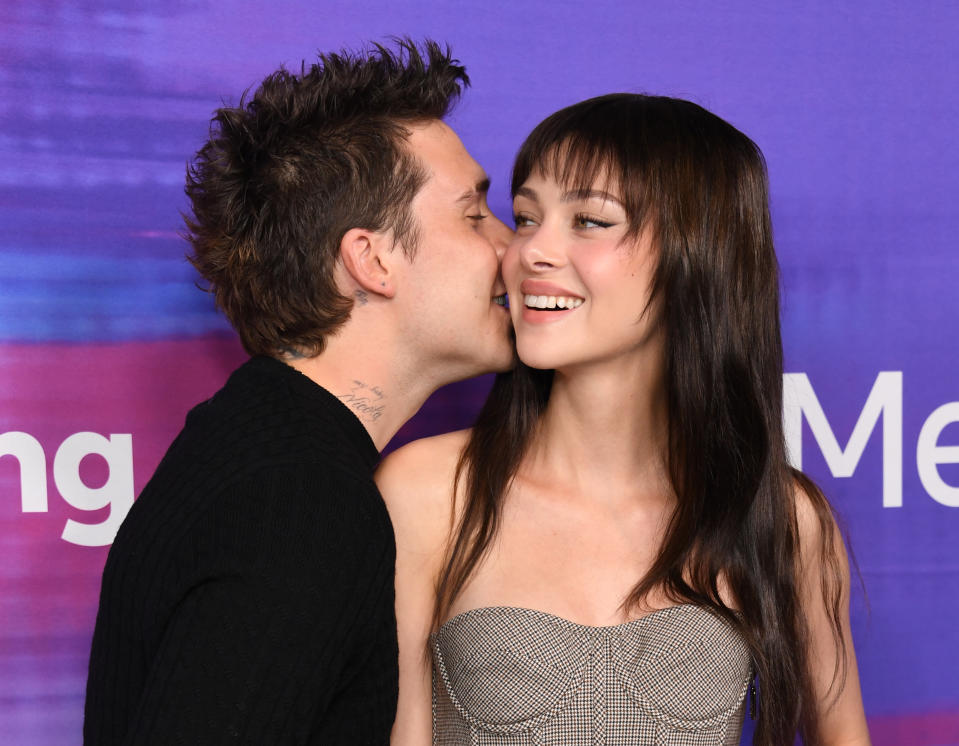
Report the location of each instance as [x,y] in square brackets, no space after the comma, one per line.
[371,381]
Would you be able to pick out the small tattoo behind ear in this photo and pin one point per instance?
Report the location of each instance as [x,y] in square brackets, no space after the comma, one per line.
[361,297]
[292,353]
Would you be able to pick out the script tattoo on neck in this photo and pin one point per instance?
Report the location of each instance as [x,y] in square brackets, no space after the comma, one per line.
[362,298]
[364,399]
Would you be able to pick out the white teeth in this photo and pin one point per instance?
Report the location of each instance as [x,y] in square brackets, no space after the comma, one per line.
[551,301]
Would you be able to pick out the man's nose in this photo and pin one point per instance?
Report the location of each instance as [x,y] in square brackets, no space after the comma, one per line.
[499,235]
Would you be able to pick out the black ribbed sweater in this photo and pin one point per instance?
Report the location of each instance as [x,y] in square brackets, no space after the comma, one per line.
[248,597]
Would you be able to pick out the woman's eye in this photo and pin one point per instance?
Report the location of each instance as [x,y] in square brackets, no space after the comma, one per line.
[477,217]
[522,221]
[585,221]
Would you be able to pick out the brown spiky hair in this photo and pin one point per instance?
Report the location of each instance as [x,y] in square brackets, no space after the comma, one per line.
[286,173]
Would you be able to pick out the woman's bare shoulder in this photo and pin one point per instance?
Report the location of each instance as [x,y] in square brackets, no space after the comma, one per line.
[416,482]
[428,464]
[815,521]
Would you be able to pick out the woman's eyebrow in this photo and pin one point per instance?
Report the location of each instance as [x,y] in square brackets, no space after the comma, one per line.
[583,194]
[574,195]
[528,193]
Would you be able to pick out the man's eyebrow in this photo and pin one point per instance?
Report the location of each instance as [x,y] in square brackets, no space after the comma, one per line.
[481,187]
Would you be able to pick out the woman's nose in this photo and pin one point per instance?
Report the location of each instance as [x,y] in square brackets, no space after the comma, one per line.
[541,250]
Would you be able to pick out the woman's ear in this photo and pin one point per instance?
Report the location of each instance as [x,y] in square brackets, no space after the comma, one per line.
[368,258]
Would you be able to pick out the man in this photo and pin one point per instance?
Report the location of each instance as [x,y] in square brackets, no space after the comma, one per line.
[343,229]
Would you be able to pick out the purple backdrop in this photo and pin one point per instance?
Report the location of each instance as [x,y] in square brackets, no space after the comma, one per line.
[105,342]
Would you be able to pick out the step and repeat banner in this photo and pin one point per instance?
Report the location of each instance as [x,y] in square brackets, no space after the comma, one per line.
[106,342]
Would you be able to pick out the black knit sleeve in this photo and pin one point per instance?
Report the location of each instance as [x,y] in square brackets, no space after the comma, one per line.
[288,565]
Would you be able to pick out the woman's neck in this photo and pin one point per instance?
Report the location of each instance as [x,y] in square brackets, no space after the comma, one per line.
[605,424]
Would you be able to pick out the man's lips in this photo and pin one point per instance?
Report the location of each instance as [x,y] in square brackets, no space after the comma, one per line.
[500,297]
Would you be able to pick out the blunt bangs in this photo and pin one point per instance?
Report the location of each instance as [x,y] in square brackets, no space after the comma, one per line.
[595,141]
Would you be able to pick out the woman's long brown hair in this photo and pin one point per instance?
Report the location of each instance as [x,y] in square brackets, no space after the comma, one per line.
[702,187]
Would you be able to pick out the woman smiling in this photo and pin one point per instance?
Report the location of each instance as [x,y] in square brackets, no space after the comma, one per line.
[618,551]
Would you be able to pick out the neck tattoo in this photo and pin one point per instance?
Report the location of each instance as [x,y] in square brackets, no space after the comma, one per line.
[292,353]
[364,399]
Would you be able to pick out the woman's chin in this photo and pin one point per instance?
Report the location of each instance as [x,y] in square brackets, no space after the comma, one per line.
[539,358]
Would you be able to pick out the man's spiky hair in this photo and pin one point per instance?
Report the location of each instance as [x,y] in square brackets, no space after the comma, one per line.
[285,174]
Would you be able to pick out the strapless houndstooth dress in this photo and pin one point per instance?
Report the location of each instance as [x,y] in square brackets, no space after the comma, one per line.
[509,676]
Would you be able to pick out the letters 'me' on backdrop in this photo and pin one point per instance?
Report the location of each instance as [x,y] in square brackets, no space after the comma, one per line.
[105,342]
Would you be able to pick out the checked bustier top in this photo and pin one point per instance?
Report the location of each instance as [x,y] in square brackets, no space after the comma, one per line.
[510,676]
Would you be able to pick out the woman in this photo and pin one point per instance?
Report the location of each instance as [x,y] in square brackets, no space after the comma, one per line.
[618,550]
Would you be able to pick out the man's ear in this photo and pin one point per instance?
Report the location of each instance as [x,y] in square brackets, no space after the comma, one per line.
[368,258]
